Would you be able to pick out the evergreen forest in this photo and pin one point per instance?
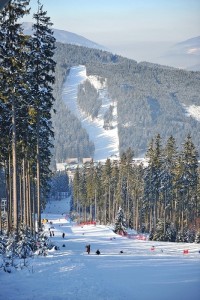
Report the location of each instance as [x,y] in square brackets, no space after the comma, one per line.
[27,73]
[150,99]
[161,198]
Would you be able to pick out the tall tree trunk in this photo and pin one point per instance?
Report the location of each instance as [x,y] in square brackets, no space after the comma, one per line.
[24,193]
[165,196]
[95,205]
[38,177]
[8,180]
[33,206]
[29,199]
[14,162]
[136,214]
[0,221]
[20,198]
[109,205]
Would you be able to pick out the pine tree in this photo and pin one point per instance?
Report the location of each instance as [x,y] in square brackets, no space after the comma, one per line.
[98,192]
[106,178]
[90,189]
[197,237]
[152,179]
[26,244]
[83,194]
[167,234]
[190,179]
[167,181]
[42,67]
[26,100]
[120,223]
[136,209]
[13,88]
[114,181]
[76,184]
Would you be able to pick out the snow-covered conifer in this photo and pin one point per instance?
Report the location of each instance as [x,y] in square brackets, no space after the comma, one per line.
[120,223]
[197,237]
[42,67]
[13,88]
[167,234]
[42,243]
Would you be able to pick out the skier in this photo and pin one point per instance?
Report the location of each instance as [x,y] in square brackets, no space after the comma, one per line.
[63,235]
[88,249]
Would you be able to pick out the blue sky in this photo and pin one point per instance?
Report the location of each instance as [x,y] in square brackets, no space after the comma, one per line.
[135,28]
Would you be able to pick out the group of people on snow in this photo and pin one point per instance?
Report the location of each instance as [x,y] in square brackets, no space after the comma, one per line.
[88,250]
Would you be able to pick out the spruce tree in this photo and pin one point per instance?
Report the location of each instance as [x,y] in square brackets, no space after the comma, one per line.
[190,163]
[120,223]
[13,87]
[76,188]
[42,67]
[167,234]
[99,191]
[152,179]
[167,181]
[106,178]
[197,237]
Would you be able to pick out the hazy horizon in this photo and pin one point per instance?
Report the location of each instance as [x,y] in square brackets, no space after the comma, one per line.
[141,30]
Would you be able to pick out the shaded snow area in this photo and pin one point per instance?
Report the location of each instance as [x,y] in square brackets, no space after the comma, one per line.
[138,273]
[193,111]
[106,141]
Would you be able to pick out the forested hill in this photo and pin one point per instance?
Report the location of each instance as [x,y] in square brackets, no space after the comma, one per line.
[150,98]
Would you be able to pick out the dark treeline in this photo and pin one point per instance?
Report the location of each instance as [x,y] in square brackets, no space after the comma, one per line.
[88,99]
[150,98]
[162,198]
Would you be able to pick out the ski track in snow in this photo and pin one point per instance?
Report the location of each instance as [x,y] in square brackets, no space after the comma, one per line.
[71,274]
[106,141]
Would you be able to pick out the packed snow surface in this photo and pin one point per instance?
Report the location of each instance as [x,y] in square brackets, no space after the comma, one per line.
[138,273]
[106,141]
[193,111]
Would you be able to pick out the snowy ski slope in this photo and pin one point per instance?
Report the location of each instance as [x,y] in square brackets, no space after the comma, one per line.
[106,141]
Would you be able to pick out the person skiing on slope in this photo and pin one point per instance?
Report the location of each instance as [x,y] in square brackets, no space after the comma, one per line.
[88,249]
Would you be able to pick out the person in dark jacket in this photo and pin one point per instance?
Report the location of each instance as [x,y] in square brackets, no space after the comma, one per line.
[88,249]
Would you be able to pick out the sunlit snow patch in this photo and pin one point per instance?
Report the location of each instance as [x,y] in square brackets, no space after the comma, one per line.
[193,111]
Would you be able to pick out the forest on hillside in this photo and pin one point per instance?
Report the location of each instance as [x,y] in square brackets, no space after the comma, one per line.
[162,199]
[150,98]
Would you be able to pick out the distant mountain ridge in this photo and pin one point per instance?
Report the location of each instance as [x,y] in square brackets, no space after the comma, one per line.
[149,99]
[190,46]
[185,55]
[66,37]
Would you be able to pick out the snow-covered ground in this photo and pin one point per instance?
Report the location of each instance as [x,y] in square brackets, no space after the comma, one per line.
[106,141]
[138,273]
[193,111]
